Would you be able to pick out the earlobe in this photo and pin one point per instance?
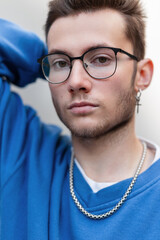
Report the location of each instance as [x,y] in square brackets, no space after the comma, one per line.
[144,74]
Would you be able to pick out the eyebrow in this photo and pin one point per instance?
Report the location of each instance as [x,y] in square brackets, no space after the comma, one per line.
[84,50]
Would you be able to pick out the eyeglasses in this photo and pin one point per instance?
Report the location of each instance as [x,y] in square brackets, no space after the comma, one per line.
[99,63]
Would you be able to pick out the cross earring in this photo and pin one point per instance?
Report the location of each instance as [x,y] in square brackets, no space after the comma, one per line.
[138,98]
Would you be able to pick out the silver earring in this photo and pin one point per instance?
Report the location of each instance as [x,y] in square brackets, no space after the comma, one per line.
[138,98]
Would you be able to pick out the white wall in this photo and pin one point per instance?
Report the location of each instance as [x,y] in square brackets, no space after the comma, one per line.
[31,14]
[148,121]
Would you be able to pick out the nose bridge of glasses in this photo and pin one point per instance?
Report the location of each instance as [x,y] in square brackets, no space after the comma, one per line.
[76,58]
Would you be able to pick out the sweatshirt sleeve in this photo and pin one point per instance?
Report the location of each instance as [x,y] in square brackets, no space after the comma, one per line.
[19,51]
[21,131]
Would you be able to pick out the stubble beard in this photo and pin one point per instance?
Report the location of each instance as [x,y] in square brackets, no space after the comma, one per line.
[123,115]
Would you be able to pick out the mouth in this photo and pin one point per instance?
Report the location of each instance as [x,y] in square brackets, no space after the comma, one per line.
[82,108]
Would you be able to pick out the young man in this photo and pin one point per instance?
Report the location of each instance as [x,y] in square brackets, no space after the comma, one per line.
[104,184]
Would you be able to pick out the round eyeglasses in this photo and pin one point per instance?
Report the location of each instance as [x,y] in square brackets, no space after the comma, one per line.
[99,63]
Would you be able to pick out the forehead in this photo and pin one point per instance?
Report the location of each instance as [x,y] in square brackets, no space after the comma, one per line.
[76,33]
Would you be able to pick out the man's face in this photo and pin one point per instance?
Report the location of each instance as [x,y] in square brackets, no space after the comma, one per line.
[90,107]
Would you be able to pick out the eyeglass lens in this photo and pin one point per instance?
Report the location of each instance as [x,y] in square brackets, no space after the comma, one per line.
[99,63]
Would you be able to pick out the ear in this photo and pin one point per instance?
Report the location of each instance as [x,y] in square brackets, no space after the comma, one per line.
[144,74]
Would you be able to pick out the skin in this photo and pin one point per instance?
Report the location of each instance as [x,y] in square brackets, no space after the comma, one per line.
[100,113]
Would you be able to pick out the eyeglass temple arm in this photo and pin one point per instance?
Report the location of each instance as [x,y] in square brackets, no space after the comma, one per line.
[39,60]
[130,55]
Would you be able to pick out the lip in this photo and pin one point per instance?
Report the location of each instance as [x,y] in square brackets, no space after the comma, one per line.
[82,107]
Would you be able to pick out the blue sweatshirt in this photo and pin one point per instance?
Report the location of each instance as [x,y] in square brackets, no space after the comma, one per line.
[35,199]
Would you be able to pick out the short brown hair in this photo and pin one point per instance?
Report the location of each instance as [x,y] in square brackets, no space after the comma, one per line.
[131,10]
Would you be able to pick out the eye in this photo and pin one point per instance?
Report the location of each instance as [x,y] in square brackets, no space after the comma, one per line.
[101,60]
[61,64]
[58,62]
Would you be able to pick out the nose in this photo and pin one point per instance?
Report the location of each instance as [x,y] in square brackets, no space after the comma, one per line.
[79,80]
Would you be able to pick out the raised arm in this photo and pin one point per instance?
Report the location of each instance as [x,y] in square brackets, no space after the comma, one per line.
[22,134]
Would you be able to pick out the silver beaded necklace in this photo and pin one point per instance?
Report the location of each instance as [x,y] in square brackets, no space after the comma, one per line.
[119,204]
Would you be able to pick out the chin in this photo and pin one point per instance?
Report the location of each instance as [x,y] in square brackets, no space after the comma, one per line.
[87,133]
[91,132]
[100,128]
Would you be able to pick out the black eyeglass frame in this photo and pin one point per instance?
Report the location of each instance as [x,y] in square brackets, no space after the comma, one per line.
[115,50]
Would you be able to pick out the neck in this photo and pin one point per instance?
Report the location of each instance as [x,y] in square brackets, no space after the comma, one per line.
[109,158]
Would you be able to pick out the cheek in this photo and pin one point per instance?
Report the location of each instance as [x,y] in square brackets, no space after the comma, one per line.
[127,71]
[60,98]
[56,90]
[121,81]
[110,88]
[112,93]
[57,95]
